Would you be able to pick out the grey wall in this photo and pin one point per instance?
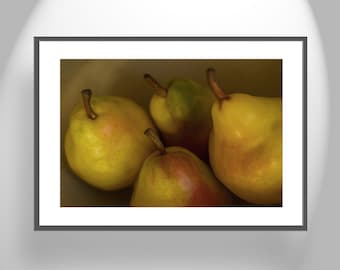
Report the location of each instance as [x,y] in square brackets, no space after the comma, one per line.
[322,251]
[13,15]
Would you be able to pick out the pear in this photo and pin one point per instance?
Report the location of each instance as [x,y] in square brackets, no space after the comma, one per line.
[174,176]
[182,113]
[103,145]
[245,145]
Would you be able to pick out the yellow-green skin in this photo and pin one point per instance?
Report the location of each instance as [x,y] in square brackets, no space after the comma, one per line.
[245,147]
[183,115]
[177,178]
[109,151]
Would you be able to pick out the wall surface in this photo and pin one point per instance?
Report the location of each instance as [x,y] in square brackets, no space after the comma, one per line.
[165,250]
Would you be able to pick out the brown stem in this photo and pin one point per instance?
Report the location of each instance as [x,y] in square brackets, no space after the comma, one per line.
[87,94]
[160,90]
[151,133]
[219,93]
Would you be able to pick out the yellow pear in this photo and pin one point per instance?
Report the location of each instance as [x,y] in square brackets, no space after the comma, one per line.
[181,112]
[104,142]
[174,176]
[245,145]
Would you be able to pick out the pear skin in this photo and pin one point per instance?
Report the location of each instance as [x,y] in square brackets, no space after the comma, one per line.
[104,142]
[245,145]
[174,176]
[182,113]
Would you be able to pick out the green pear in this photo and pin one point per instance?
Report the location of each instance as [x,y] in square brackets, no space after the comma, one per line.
[103,142]
[174,176]
[182,113]
[245,145]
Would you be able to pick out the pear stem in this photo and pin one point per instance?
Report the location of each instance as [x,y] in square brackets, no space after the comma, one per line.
[155,139]
[160,90]
[87,94]
[219,93]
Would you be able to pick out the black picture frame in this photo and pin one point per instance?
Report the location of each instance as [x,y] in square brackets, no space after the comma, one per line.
[39,227]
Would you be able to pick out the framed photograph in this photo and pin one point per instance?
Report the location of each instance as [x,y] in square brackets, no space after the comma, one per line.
[171,133]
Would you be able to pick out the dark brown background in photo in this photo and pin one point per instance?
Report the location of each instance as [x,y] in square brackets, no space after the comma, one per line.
[125,78]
